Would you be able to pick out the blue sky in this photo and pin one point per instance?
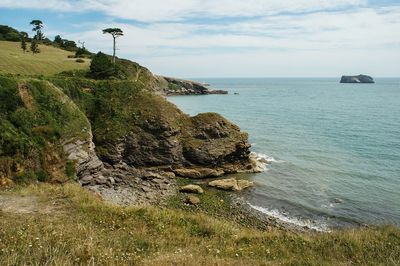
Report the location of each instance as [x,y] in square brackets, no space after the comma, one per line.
[230,38]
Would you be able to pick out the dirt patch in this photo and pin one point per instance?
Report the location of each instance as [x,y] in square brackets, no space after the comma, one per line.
[24,205]
[26,96]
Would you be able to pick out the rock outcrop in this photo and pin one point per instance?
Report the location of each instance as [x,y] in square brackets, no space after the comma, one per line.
[116,137]
[231,184]
[173,86]
[357,79]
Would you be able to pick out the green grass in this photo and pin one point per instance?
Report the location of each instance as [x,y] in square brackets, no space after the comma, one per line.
[78,228]
[49,61]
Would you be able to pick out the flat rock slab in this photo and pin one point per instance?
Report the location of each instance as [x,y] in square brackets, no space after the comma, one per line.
[231,184]
[197,173]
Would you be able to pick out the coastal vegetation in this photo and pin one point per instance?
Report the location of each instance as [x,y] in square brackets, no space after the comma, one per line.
[71,131]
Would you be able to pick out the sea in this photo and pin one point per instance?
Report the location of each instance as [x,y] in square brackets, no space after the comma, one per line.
[332,150]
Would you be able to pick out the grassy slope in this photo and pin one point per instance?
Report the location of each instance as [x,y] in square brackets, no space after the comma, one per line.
[81,229]
[50,61]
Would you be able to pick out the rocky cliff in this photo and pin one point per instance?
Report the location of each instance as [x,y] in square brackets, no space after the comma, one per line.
[357,79]
[111,134]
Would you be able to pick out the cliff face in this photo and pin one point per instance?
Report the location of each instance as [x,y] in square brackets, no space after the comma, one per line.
[357,79]
[105,132]
[141,129]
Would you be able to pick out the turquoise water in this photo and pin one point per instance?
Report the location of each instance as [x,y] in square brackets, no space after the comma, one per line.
[334,149]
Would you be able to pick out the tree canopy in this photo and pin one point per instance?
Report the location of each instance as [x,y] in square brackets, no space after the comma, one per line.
[37,27]
[115,32]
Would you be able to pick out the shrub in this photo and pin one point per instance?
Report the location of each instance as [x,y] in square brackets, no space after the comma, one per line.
[79,60]
[82,52]
[101,66]
[70,169]
[42,176]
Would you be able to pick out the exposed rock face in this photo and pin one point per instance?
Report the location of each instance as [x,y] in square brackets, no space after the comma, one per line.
[127,185]
[357,79]
[173,86]
[206,145]
[231,184]
[88,165]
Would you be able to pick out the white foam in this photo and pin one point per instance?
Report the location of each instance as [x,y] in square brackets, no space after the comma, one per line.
[263,160]
[292,220]
[261,157]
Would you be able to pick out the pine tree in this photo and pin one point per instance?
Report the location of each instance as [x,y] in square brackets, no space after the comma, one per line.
[115,33]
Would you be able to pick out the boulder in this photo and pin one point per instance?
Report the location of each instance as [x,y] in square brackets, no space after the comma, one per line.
[197,173]
[193,200]
[192,189]
[231,184]
[243,184]
[357,79]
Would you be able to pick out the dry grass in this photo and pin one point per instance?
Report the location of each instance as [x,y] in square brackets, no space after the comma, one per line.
[83,230]
[49,61]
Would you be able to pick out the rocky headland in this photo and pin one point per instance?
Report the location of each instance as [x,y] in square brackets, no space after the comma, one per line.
[119,138]
[357,79]
[173,86]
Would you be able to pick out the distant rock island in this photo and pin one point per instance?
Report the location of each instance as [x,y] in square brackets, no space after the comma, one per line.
[357,79]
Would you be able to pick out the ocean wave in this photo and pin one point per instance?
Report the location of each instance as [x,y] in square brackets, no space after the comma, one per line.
[320,227]
[263,158]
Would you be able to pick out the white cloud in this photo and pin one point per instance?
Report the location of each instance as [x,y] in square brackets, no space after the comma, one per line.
[278,37]
[161,10]
[358,40]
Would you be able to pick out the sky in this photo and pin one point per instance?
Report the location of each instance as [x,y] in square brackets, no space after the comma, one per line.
[229,38]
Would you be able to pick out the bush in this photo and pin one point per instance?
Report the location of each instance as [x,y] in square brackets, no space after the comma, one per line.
[70,169]
[79,60]
[101,66]
[82,52]
[42,176]
[69,45]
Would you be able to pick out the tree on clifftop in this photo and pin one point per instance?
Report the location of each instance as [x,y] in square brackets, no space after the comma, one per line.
[115,33]
[37,27]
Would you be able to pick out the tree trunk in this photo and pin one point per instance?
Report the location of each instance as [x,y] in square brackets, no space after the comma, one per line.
[114,51]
